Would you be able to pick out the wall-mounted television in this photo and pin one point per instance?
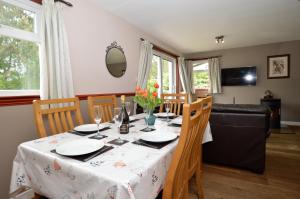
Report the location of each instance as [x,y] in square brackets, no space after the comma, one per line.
[241,76]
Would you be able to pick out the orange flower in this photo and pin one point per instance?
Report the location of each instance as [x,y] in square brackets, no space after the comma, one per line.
[141,92]
[145,94]
[156,85]
[154,94]
[137,88]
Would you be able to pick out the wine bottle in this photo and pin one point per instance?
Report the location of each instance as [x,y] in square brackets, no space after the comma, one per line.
[124,128]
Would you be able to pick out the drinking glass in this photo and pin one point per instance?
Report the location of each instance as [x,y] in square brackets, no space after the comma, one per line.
[167,107]
[118,117]
[128,107]
[97,118]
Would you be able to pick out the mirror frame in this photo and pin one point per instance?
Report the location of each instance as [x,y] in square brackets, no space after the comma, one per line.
[110,47]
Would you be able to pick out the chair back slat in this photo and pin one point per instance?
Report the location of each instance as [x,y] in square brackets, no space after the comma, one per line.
[64,121]
[57,122]
[106,103]
[59,113]
[195,156]
[175,100]
[51,124]
[57,110]
[70,120]
[106,109]
[186,161]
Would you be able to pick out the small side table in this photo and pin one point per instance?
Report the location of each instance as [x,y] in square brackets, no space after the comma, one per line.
[275,106]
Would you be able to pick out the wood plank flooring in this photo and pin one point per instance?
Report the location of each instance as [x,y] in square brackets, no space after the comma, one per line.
[281,179]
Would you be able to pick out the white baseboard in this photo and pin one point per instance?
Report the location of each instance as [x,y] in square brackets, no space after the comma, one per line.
[290,123]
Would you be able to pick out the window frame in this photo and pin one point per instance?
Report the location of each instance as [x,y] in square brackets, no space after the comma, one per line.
[173,60]
[16,33]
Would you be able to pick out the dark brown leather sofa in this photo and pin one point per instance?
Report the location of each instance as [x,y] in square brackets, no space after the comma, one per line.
[239,136]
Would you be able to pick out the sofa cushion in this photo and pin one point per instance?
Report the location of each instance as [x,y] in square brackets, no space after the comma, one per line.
[239,108]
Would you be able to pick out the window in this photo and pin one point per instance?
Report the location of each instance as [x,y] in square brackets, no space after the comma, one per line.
[19,48]
[163,71]
[200,75]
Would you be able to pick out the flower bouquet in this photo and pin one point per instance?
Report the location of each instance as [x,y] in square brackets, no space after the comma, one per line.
[148,100]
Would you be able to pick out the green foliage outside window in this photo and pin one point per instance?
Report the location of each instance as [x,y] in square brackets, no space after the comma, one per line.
[166,74]
[19,59]
[153,72]
[201,79]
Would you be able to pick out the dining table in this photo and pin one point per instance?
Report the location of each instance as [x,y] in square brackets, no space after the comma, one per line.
[127,171]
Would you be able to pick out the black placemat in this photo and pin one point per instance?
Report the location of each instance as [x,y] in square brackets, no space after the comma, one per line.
[170,117]
[100,137]
[115,142]
[174,125]
[137,119]
[134,120]
[147,130]
[152,144]
[89,156]
[78,133]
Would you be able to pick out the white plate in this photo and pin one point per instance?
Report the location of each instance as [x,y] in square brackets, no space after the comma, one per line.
[164,114]
[177,121]
[79,147]
[158,136]
[89,127]
[132,118]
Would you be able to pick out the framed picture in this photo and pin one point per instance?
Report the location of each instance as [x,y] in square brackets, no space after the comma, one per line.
[279,66]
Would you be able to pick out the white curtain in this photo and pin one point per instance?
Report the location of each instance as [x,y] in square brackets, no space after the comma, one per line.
[186,76]
[145,62]
[214,75]
[56,74]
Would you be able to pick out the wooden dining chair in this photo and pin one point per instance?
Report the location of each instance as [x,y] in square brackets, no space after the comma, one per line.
[60,114]
[176,101]
[107,104]
[186,162]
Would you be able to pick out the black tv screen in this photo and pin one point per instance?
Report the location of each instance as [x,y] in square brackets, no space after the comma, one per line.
[239,76]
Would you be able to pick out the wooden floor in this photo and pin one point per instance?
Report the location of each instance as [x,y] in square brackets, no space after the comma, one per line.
[281,179]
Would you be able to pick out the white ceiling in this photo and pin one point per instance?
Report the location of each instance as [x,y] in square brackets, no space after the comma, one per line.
[191,25]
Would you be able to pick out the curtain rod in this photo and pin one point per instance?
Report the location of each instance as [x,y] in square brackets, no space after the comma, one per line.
[203,58]
[65,2]
[155,47]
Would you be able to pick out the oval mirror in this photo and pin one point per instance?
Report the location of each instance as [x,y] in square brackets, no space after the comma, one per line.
[115,60]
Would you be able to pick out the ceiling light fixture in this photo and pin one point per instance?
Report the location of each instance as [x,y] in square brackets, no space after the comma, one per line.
[220,39]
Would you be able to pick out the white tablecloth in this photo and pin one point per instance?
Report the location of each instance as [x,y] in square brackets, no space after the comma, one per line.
[126,172]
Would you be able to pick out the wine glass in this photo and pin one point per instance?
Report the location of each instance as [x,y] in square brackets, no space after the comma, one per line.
[128,107]
[167,107]
[97,119]
[118,117]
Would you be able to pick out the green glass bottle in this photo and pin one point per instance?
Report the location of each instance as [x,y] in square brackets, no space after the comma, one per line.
[124,128]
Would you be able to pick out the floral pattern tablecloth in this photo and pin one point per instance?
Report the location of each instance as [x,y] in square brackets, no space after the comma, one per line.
[128,171]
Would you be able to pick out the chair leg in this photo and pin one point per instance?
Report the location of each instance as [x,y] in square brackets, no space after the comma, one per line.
[198,176]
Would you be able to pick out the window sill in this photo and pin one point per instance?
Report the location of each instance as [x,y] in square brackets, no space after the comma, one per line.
[27,99]
[17,100]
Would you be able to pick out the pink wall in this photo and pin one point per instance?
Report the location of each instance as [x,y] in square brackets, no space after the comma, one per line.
[90,30]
